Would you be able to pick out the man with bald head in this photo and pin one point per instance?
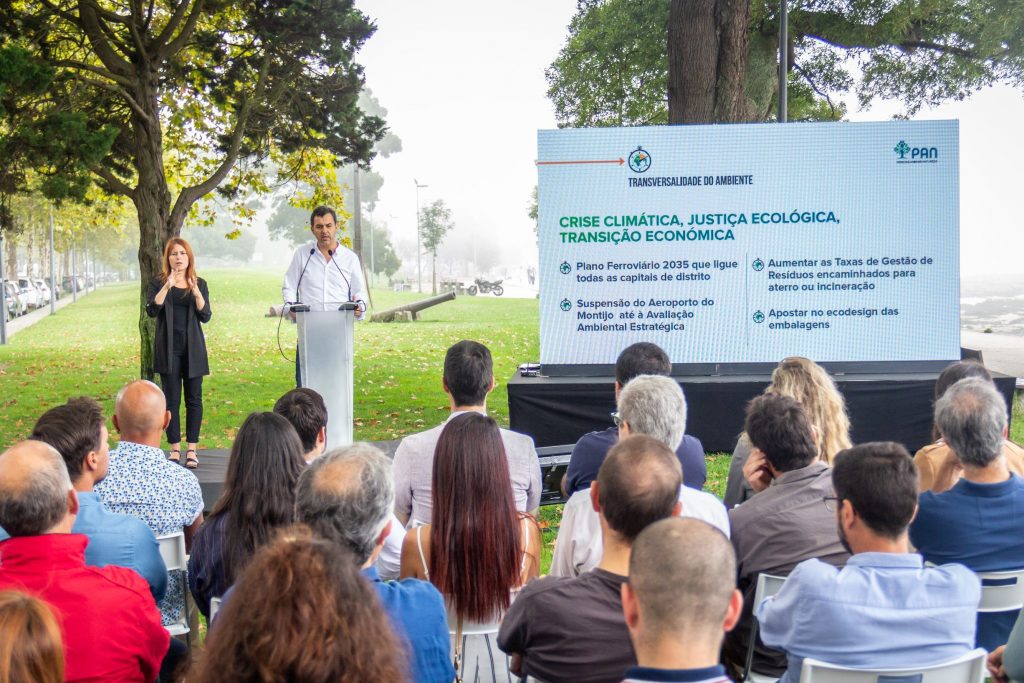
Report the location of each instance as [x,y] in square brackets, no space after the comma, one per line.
[572,629]
[110,626]
[347,497]
[142,482]
[680,601]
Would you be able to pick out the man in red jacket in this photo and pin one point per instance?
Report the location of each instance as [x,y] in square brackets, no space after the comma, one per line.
[109,622]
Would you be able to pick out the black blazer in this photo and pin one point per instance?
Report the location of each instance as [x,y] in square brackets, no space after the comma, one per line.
[163,342]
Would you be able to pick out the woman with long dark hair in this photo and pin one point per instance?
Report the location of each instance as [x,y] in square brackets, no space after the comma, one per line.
[479,550]
[180,300]
[258,498]
[30,640]
[937,466]
[301,611]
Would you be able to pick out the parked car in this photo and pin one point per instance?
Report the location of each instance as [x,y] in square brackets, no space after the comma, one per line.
[44,290]
[15,301]
[29,291]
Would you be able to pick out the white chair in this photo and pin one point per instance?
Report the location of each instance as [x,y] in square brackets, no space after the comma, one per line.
[970,668]
[767,586]
[1001,591]
[214,608]
[480,630]
[172,550]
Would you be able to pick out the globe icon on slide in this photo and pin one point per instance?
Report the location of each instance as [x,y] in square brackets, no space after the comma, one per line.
[759,317]
[565,305]
[565,268]
[758,265]
[639,160]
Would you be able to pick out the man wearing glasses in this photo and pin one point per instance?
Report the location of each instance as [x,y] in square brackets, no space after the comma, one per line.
[884,609]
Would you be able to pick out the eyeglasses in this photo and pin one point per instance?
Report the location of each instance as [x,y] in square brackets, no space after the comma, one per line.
[831,503]
[617,419]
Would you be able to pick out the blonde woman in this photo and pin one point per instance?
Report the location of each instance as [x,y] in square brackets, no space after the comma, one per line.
[806,382]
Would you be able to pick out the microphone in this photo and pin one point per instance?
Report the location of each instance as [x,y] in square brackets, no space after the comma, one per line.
[298,287]
[335,262]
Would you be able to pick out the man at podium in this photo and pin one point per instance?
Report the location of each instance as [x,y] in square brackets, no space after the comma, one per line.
[324,274]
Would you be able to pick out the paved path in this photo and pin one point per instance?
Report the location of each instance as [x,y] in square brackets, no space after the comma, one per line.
[1002,352]
[31,318]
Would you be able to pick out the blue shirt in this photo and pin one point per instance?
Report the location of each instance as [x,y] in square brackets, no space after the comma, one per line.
[880,610]
[646,674]
[119,540]
[591,450]
[418,614]
[978,525]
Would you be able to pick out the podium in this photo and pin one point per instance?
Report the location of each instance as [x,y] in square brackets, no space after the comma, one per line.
[325,358]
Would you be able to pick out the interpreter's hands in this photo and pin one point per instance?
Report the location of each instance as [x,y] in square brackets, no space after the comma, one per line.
[756,471]
[193,285]
[995,664]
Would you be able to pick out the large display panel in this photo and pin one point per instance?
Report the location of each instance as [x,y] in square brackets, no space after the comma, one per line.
[749,243]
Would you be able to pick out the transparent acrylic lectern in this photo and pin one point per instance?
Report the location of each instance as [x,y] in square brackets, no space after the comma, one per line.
[325,357]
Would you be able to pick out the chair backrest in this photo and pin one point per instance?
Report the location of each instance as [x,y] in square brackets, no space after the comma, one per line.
[767,586]
[472,628]
[969,668]
[1001,591]
[214,608]
[172,549]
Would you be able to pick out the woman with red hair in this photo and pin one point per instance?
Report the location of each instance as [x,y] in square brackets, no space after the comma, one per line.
[180,300]
[479,551]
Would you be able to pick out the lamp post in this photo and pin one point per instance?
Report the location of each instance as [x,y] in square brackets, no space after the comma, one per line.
[783,57]
[419,251]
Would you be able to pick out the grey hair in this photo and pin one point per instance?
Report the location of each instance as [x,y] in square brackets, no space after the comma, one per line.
[347,496]
[971,416]
[654,405]
[39,501]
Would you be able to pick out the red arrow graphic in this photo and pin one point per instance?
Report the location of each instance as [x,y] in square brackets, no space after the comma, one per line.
[618,161]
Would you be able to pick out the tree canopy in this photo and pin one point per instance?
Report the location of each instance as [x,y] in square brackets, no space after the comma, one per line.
[198,93]
[626,61]
[435,222]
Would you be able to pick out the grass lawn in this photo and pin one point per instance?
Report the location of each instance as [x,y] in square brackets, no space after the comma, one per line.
[91,348]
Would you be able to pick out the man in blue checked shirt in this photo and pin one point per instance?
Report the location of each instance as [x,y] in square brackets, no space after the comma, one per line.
[884,609]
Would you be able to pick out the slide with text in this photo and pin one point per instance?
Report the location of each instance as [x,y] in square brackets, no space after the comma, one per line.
[750,243]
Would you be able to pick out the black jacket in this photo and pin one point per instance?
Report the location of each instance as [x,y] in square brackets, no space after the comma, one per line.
[163,343]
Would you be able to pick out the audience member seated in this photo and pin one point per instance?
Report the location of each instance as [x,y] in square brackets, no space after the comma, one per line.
[978,521]
[884,608]
[141,482]
[347,497]
[305,409]
[679,602]
[30,645]
[468,379]
[654,406]
[258,498]
[78,432]
[642,358]
[479,550]
[936,463]
[786,522]
[301,611]
[573,629]
[810,385]
[110,626]
[1006,662]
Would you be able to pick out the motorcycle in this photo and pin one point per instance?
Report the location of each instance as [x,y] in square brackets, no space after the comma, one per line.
[485,287]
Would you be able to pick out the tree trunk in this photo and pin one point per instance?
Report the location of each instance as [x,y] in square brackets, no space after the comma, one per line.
[433,272]
[11,257]
[152,200]
[707,61]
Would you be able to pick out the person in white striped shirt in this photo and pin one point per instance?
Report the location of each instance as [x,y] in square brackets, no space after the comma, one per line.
[680,601]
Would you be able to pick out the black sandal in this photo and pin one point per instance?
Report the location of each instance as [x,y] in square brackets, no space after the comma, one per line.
[191,461]
[175,455]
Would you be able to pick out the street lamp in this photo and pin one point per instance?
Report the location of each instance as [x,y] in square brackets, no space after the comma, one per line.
[419,253]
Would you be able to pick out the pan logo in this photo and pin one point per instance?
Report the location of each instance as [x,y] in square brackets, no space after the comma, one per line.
[915,155]
[639,160]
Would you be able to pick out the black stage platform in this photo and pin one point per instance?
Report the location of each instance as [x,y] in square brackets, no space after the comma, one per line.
[890,406]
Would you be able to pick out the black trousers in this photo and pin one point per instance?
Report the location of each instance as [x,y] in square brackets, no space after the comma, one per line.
[172,383]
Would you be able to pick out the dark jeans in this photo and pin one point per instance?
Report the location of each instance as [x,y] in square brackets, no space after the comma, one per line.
[175,662]
[172,383]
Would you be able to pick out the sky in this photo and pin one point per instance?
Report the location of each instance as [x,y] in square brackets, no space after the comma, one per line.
[463,83]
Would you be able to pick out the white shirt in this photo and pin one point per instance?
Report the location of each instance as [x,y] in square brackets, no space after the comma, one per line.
[323,284]
[579,545]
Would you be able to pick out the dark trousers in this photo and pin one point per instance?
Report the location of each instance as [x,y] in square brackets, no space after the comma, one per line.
[172,383]
[175,662]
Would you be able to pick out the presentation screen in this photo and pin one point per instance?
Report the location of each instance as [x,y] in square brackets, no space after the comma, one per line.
[750,243]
